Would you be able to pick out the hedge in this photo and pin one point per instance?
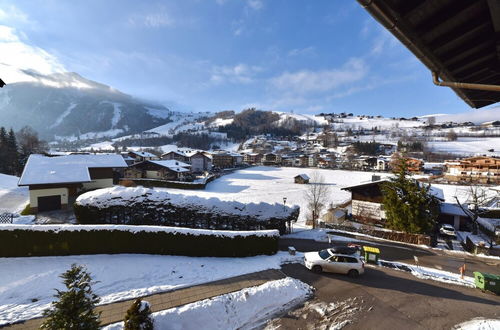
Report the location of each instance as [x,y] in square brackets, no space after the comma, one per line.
[143,206]
[34,240]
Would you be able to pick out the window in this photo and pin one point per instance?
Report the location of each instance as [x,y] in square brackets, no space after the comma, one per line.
[351,260]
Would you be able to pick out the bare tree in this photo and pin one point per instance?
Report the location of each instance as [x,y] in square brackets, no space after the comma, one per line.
[476,198]
[316,195]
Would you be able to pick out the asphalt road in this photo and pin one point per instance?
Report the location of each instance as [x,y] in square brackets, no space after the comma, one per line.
[442,260]
[383,298]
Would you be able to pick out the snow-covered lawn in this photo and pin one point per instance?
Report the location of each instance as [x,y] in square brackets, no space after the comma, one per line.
[27,284]
[12,198]
[245,309]
[272,184]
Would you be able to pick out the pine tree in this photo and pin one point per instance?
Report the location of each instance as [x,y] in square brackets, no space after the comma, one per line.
[408,205]
[138,316]
[12,166]
[74,308]
[3,150]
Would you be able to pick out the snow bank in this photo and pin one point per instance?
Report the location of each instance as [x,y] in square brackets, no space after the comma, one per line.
[27,284]
[245,309]
[478,323]
[126,196]
[138,229]
[427,273]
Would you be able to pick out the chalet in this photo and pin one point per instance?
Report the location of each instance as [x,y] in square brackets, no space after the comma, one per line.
[367,201]
[55,182]
[200,162]
[367,205]
[271,159]
[252,158]
[222,160]
[301,178]
[365,163]
[175,155]
[483,169]
[382,164]
[312,160]
[140,156]
[129,160]
[414,165]
[159,170]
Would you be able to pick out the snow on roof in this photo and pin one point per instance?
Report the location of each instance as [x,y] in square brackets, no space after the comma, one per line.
[172,164]
[303,176]
[65,169]
[450,208]
[143,154]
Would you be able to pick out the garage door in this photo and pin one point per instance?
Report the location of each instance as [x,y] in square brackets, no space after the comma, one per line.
[49,203]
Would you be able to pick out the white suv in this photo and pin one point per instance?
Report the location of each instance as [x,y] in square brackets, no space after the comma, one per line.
[328,261]
[447,230]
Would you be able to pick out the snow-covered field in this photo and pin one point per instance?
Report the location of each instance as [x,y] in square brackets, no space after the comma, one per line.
[469,146]
[27,284]
[244,309]
[272,184]
[12,198]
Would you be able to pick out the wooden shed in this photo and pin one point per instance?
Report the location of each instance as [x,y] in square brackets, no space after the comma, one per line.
[301,178]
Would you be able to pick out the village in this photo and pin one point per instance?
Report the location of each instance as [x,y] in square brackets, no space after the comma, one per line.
[276,165]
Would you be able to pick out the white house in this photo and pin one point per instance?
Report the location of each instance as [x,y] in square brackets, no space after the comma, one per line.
[55,181]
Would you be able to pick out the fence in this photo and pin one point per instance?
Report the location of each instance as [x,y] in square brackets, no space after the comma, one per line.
[390,235]
[6,218]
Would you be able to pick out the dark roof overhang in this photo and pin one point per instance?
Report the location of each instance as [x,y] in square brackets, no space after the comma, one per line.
[457,39]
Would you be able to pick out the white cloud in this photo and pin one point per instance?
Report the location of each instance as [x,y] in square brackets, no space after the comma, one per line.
[306,81]
[255,4]
[158,19]
[18,56]
[307,51]
[240,73]
[10,13]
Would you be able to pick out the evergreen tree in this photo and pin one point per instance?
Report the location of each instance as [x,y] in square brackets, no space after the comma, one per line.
[74,308]
[3,150]
[13,166]
[138,316]
[408,205]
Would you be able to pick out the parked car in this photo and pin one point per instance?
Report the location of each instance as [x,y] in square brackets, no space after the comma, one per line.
[447,230]
[329,261]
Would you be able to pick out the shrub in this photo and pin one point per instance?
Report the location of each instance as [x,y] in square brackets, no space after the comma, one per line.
[74,308]
[138,316]
[26,210]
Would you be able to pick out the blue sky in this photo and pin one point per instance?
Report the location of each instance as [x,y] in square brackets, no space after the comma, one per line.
[210,55]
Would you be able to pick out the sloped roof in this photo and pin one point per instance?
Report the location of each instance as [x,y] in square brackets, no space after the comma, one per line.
[65,169]
[172,164]
[303,176]
[458,39]
[143,154]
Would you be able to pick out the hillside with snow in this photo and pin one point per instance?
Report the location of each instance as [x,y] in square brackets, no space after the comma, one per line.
[66,105]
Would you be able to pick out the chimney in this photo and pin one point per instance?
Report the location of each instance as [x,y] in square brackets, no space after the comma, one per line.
[375,178]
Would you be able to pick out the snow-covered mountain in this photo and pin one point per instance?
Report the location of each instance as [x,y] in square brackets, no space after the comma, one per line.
[68,105]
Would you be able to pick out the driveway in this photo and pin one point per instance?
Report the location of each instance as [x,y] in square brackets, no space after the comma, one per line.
[385,299]
[434,258]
